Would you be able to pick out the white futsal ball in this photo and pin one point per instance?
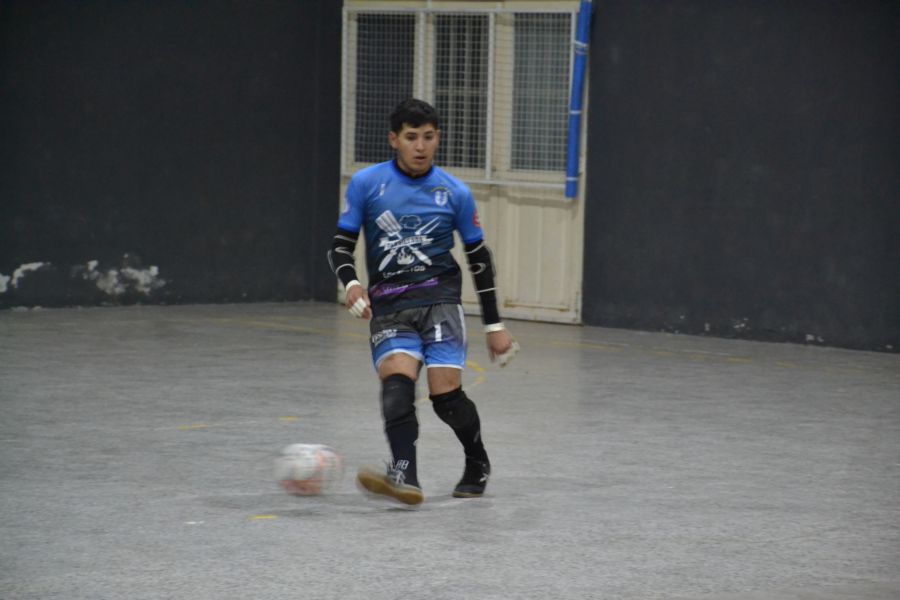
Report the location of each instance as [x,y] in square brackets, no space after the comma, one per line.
[308,469]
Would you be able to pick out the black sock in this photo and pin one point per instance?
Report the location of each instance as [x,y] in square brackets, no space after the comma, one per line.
[398,398]
[458,411]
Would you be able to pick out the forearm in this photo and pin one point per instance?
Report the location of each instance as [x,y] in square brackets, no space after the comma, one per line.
[341,257]
[481,266]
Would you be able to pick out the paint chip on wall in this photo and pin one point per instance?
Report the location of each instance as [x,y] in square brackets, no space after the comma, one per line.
[7,282]
[24,270]
[115,282]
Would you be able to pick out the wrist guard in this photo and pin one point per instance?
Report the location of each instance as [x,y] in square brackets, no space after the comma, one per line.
[340,256]
[481,266]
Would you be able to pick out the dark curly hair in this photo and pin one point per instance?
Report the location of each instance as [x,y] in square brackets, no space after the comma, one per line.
[414,113]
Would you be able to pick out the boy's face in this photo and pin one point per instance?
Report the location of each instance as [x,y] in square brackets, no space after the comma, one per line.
[415,147]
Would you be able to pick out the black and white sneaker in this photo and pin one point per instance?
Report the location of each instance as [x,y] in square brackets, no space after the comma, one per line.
[391,483]
[474,479]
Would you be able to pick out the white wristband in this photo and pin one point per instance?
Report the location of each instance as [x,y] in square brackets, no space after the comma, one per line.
[494,327]
[350,284]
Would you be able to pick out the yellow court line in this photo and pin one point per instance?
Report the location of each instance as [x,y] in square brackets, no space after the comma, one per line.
[295,328]
[279,325]
[471,364]
[236,423]
[262,517]
[690,354]
[604,347]
[545,342]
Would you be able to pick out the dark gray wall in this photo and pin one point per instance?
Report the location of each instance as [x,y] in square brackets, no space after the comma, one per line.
[200,138]
[743,170]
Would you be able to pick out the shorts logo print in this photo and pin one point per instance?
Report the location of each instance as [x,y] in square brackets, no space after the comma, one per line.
[383,335]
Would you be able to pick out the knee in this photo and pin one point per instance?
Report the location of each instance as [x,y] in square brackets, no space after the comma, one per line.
[399,364]
[398,398]
[443,380]
[454,408]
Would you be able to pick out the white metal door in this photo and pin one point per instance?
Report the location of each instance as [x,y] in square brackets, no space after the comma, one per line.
[499,74]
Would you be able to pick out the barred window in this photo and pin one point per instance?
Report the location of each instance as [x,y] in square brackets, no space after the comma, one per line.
[499,80]
[460,88]
[385,48]
[540,91]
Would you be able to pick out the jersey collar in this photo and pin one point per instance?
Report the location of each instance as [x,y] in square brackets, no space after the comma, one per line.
[403,174]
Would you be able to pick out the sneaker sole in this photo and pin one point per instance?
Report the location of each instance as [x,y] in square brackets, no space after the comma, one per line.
[467,494]
[377,483]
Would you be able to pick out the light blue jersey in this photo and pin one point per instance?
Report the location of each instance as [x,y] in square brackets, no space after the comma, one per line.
[408,224]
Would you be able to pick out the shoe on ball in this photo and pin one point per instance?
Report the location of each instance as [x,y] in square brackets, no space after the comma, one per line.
[391,483]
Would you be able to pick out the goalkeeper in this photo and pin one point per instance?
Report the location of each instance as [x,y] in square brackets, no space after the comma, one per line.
[408,210]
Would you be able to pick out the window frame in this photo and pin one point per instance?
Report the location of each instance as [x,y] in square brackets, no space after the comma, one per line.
[498,150]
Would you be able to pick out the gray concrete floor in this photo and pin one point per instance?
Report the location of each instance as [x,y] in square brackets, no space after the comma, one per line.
[136,447]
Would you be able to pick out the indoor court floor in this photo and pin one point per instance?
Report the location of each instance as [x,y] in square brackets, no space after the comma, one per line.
[136,451]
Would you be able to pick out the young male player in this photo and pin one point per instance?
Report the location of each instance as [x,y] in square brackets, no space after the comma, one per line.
[408,210]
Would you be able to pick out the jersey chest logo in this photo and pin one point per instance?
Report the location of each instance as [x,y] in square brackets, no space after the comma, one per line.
[441,195]
[405,248]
